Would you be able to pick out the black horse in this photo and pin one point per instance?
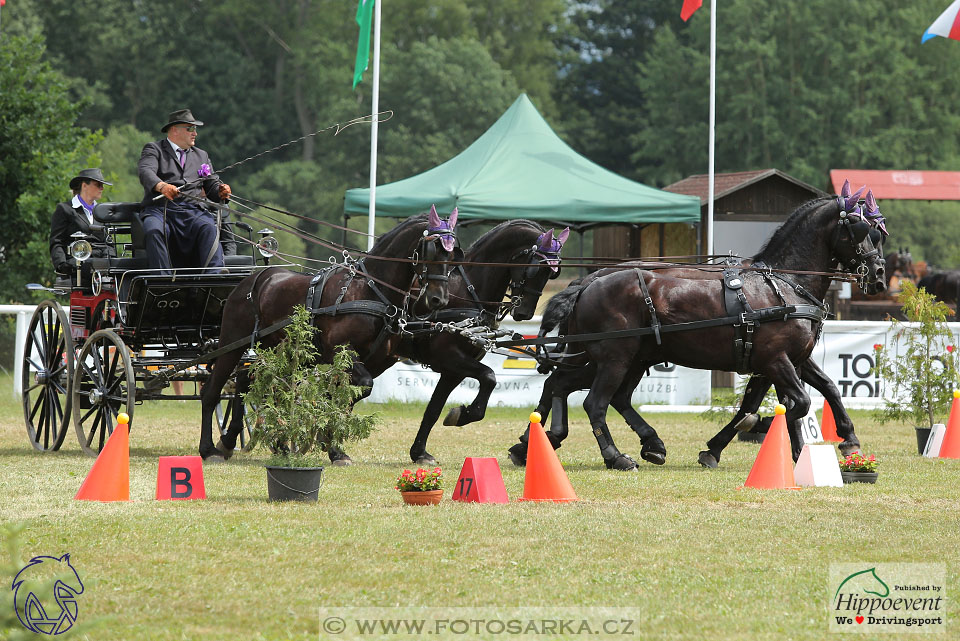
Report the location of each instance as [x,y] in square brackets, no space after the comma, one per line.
[944,285]
[523,258]
[817,236]
[359,304]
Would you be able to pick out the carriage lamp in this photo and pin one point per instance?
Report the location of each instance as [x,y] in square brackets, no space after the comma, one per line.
[268,245]
[80,249]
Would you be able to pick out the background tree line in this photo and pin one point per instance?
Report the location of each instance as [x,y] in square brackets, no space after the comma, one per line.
[803,86]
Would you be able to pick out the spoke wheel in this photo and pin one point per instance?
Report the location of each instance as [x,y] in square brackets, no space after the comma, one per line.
[47,372]
[103,386]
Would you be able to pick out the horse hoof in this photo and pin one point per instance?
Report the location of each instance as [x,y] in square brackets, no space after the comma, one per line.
[215,458]
[747,422]
[224,451]
[342,462]
[426,459]
[453,416]
[849,447]
[657,458]
[707,459]
[622,463]
[518,455]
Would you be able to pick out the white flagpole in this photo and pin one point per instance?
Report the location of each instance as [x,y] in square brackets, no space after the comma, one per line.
[713,121]
[375,108]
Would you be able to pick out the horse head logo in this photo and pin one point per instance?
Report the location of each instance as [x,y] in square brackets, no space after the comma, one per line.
[867,582]
[33,584]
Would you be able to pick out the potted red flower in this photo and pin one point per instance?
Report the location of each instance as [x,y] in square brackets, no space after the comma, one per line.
[422,487]
[857,468]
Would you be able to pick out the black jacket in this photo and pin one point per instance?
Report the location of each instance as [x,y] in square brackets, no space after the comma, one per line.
[66,221]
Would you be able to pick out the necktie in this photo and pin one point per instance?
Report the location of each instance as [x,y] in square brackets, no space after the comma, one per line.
[183,156]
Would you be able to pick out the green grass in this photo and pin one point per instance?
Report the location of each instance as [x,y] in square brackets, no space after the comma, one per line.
[694,555]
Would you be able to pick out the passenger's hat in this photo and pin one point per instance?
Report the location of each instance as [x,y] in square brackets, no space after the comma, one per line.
[88,174]
[181,116]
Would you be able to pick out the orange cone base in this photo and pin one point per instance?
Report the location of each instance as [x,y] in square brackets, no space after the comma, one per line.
[773,468]
[545,479]
[109,478]
[828,426]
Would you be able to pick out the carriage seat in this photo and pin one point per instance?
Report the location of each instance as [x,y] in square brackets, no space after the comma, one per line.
[119,215]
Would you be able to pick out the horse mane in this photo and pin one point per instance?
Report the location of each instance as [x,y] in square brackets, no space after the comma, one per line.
[797,224]
[480,243]
[388,238]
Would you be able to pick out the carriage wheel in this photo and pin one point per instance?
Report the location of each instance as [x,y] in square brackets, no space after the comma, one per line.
[224,413]
[47,373]
[103,386]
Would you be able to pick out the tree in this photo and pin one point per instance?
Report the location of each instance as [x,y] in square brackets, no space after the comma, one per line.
[40,150]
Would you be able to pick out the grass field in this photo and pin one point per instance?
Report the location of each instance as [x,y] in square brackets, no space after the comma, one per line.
[691,554]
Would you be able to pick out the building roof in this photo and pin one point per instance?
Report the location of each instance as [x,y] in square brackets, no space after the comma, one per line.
[901,184]
[726,184]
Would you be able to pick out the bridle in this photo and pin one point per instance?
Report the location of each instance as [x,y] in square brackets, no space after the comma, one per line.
[426,253]
[528,262]
[855,226]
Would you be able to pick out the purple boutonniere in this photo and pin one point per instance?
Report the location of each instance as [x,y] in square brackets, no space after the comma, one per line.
[205,170]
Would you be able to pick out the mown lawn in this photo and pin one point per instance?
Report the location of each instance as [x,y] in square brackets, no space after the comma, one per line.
[694,556]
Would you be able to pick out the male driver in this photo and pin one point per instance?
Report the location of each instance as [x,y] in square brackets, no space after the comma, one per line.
[180,231]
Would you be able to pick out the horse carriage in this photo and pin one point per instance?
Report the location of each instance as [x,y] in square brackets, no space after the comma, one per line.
[129,333]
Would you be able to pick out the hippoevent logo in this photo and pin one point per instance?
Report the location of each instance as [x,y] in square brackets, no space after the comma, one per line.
[45,594]
[887,598]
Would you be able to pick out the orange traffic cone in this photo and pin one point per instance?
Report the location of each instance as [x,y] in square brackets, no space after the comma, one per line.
[828,426]
[544,479]
[950,448]
[109,478]
[773,469]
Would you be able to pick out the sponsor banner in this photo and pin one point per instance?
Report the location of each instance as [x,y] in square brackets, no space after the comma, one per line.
[520,385]
[845,352]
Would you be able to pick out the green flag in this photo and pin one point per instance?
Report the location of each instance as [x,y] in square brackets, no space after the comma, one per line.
[365,20]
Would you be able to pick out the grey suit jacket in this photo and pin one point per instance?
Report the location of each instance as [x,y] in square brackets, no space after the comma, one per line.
[158,162]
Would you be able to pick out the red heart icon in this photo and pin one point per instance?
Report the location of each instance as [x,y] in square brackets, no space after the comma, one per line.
[859,619]
[950,348]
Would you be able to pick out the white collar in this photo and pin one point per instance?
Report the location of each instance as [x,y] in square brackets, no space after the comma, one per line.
[76,203]
[176,147]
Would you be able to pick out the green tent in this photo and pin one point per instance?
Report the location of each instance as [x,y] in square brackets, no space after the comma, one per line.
[520,168]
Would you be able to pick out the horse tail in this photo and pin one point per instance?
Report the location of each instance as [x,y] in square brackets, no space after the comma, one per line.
[559,308]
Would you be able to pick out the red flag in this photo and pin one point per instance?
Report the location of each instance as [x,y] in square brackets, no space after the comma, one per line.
[689,8]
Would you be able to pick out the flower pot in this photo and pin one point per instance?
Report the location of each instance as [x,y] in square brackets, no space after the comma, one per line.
[422,497]
[294,483]
[859,477]
[923,433]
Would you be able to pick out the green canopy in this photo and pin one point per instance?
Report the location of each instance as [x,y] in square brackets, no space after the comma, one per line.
[520,168]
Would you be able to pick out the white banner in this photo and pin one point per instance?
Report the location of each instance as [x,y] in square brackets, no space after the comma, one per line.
[845,352]
[520,385]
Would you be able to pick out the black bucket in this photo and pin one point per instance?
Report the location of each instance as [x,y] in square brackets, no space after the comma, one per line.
[294,483]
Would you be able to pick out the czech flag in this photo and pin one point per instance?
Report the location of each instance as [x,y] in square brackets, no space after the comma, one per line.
[690,6]
[947,25]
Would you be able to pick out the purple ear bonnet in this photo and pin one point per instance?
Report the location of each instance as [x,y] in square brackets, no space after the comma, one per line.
[873,215]
[869,211]
[548,247]
[443,228]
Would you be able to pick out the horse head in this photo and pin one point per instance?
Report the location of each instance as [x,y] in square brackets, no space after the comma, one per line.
[535,266]
[858,242]
[35,582]
[436,251]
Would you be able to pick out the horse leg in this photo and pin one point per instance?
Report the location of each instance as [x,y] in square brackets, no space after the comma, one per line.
[418,451]
[606,383]
[210,398]
[471,368]
[744,419]
[653,450]
[360,376]
[793,396]
[228,441]
[811,374]
[556,388]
